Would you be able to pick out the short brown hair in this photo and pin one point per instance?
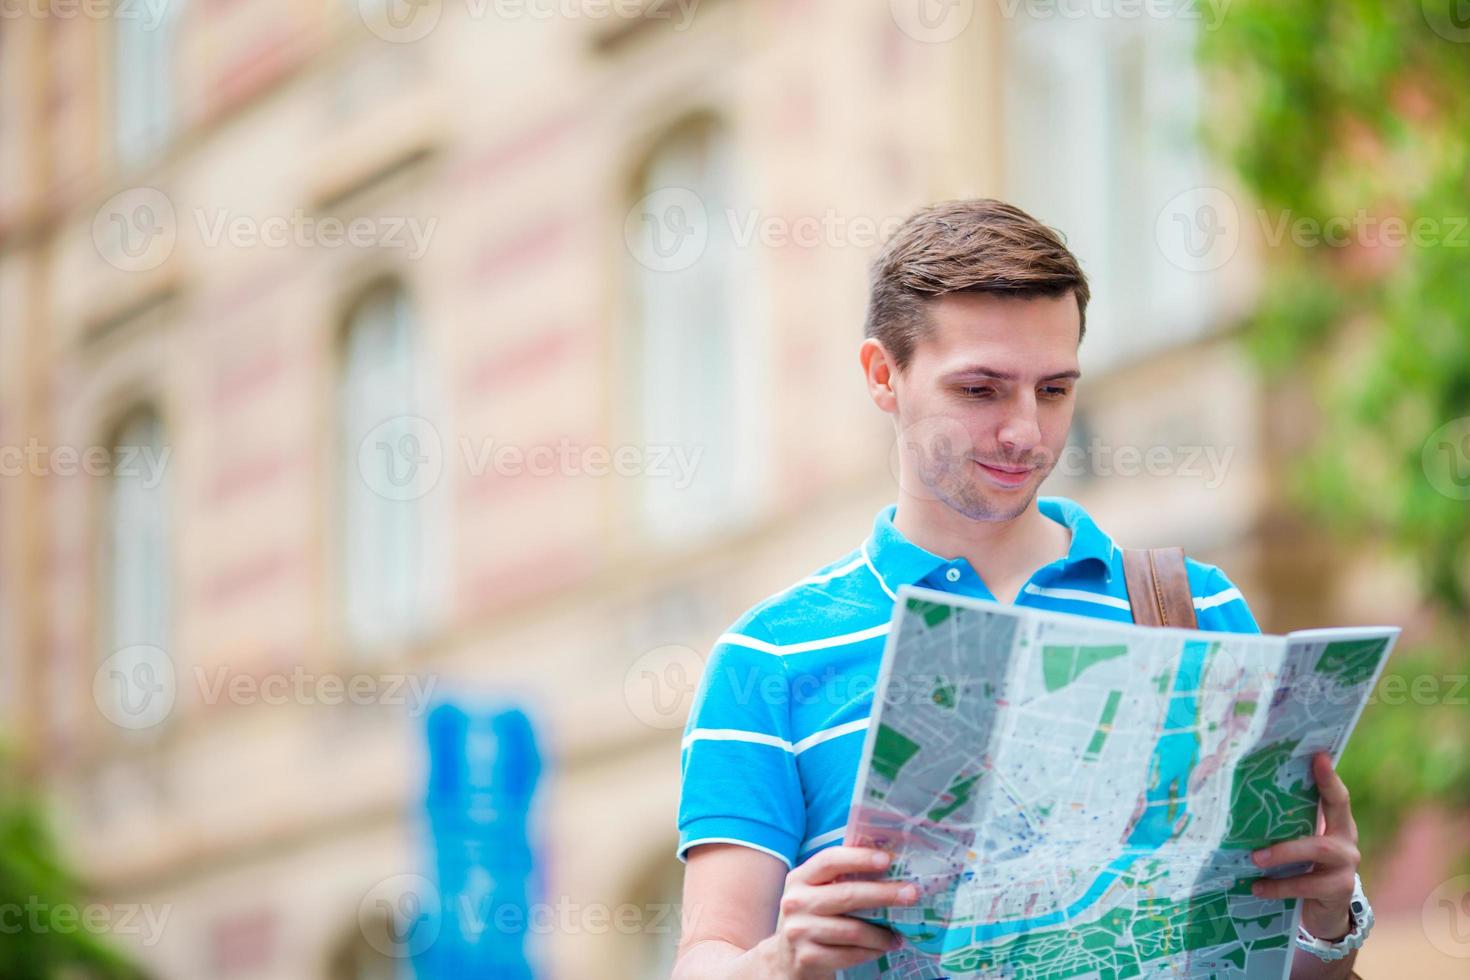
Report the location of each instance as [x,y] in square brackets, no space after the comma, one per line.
[980,245]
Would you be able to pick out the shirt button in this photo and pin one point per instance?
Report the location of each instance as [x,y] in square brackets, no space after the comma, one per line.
[953,574]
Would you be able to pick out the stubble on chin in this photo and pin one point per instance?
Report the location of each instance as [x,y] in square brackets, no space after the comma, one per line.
[968,498]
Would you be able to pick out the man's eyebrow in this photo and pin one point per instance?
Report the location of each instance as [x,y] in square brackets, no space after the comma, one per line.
[980,371]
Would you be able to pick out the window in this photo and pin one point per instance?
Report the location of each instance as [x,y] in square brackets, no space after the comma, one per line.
[1100,143]
[144,38]
[137,570]
[699,334]
[390,458]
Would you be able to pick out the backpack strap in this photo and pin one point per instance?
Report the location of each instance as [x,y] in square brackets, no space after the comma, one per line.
[1158,587]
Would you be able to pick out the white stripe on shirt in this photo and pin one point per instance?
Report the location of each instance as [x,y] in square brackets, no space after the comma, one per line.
[881,584]
[1218,599]
[761,738]
[820,839]
[732,840]
[829,576]
[1077,595]
[733,735]
[785,649]
[836,731]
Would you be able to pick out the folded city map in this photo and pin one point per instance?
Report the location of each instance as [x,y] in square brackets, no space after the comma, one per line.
[1078,798]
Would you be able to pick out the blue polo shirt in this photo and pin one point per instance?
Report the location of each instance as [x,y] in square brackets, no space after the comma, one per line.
[771,749]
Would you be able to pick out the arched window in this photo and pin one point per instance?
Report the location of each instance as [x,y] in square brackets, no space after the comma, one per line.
[699,333]
[387,473]
[136,606]
[144,40]
[1101,142]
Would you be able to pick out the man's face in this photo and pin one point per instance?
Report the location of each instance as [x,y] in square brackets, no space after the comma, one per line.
[984,404]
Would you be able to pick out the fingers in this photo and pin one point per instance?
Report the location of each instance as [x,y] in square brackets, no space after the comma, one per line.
[815,932]
[816,943]
[814,959]
[840,898]
[841,930]
[1336,814]
[1325,852]
[1334,886]
[833,862]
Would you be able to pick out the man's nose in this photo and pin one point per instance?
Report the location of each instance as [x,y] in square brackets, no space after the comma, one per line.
[1020,432]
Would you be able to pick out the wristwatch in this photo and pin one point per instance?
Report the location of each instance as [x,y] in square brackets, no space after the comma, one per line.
[1360,916]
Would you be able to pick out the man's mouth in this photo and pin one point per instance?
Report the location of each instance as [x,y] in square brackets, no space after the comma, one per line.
[1006,476]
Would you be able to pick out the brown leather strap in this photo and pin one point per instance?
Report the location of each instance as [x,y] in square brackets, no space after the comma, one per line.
[1158,587]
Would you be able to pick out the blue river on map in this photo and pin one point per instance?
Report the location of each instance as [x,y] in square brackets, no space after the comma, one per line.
[1165,813]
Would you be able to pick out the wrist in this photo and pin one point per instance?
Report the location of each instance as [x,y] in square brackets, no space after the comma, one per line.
[765,958]
[1323,945]
[1329,924]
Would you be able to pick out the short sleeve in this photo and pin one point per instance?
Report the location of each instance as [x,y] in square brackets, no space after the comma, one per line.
[738,778]
[1220,606]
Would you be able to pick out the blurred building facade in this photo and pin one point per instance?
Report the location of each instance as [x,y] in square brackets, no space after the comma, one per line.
[510,348]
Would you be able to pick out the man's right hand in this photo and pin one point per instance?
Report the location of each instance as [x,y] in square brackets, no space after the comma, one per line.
[746,917]
[815,936]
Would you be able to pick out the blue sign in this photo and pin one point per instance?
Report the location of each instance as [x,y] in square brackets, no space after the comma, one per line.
[483,770]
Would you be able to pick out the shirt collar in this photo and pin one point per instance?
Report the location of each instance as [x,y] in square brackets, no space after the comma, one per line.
[898,561]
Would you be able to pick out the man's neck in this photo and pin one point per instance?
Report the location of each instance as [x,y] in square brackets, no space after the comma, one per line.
[1002,552]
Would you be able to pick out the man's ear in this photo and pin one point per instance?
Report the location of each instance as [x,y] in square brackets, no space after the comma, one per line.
[880,373]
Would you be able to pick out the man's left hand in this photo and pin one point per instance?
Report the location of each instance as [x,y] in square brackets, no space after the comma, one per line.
[1327,889]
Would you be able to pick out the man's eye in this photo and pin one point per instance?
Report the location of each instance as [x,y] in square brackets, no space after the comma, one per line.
[1055,392]
[972,392]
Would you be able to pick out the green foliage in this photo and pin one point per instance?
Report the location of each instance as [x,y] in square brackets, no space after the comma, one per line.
[34,887]
[1411,745]
[1359,110]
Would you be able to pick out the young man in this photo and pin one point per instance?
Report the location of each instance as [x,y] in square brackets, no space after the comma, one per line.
[975,319]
